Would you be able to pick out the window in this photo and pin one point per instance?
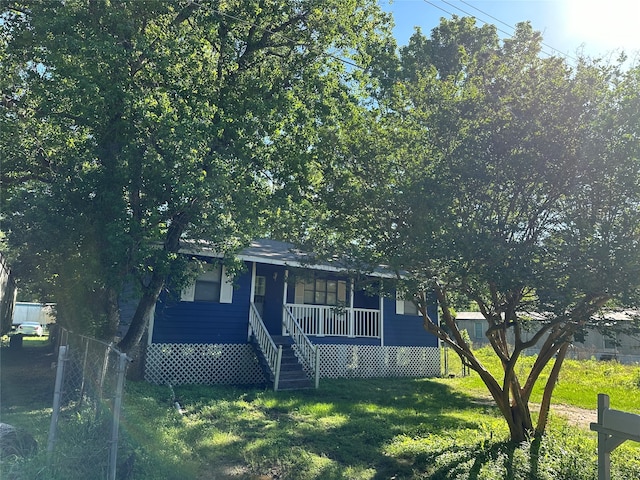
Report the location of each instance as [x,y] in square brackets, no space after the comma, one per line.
[477,330]
[210,286]
[410,308]
[405,307]
[259,292]
[207,288]
[321,291]
[610,342]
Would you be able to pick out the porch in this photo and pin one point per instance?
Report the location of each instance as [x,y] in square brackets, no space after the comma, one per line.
[332,321]
[300,324]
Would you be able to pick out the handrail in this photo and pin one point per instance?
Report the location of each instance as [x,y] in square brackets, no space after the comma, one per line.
[308,352]
[323,320]
[272,353]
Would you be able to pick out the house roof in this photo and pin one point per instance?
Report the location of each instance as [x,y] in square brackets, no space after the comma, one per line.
[609,315]
[275,252]
[272,251]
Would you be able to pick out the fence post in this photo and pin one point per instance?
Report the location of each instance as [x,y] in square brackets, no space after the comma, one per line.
[614,428]
[604,456]
[446,360]
[57,394]
[85,357]
[103,374]
[117,405]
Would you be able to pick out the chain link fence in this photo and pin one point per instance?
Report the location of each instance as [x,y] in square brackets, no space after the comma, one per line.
[89,388]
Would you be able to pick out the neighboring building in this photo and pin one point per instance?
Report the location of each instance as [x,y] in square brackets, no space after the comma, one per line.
[622,347]
[284,314]
[43,313]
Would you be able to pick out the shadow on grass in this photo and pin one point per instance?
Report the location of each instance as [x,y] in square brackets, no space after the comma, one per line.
[27,377]
[345,425]
[468,461]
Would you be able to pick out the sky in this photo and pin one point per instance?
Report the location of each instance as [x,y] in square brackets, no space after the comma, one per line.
[595,27]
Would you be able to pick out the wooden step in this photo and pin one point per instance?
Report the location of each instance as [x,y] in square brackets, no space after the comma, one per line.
[292,374]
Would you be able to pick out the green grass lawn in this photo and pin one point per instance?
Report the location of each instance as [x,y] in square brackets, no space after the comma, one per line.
[371,429]
[579,384]
[350,429]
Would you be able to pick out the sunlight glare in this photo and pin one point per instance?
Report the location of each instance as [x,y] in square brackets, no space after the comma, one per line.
[603,25]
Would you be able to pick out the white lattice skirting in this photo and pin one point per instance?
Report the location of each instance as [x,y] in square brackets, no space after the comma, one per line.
[368,361]
[208,364]
[202,364]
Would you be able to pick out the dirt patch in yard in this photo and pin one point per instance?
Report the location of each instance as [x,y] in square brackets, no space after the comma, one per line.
[576,416]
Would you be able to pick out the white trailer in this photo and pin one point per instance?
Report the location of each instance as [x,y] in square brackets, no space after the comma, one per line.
[43,313]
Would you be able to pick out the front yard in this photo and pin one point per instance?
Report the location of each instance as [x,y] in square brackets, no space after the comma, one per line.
[348,429]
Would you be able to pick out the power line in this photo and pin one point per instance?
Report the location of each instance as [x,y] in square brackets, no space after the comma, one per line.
[488,15]
[475,16]
[510,26]
[510,35]
[355,65]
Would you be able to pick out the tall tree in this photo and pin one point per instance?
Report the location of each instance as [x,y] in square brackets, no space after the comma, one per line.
[507,179]
[133,125]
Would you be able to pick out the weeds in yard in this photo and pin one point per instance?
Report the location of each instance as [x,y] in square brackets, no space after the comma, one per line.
[362,429]
[411,429]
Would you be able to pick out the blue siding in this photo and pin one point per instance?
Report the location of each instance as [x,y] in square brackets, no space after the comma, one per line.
[362,299]
[406,330]
[205,322]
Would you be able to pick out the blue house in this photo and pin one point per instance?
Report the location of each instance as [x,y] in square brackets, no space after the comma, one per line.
[284,321]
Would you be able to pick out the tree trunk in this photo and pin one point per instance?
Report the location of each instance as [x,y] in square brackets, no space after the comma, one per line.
[143,312]
[548,389]
[520,426]
[113,314]
[152,291]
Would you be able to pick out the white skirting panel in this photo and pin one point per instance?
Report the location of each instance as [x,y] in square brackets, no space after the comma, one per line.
[202,364]
[209,364]
[368,361]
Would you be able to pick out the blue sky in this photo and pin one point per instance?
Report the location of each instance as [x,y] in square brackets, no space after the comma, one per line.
[597,26]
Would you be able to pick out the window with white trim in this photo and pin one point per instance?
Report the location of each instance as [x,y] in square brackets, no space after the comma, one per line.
[261,285]
[410,308]
[321,291]
[405,307]
[213,285]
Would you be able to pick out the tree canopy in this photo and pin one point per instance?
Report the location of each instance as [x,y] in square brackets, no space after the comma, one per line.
[472,166]
[504,179]
[129,126]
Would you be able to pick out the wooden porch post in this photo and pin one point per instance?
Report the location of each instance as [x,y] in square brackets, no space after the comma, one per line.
[253,282]
[252,297]
[351,312]
[604,455]
[381,324]
[284,297]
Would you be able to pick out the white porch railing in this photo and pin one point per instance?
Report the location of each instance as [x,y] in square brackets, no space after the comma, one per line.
[322,320]
[308,352]
[272,353]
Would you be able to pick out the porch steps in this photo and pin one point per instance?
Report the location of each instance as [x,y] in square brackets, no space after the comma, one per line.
[292,375]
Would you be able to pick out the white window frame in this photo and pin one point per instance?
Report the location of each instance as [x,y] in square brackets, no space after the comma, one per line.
[405,307]
[225,289]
